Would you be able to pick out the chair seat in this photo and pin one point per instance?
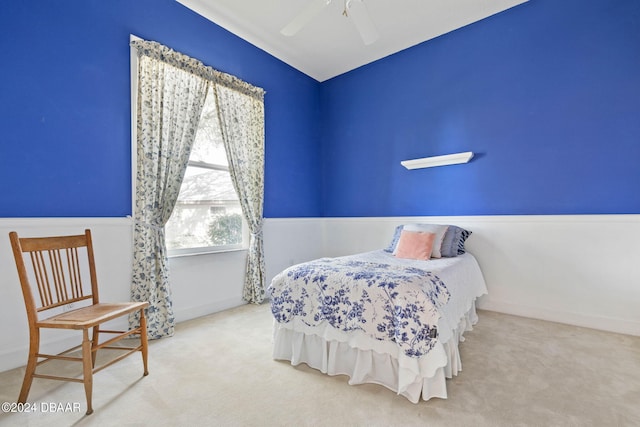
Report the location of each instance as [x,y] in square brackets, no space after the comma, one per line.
[90,316]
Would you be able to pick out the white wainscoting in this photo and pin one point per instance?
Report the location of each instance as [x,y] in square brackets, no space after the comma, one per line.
[581,270]
[112,241]
[206,283]
[201,284]
[289,241]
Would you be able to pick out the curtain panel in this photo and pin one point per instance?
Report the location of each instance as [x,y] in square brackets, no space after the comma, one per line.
[242,125]
[170,101]
[172,88]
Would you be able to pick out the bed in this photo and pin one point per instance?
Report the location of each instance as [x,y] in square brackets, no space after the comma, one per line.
[381,317]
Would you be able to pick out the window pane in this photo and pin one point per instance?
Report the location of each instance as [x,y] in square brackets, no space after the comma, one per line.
[198,226]
[208,146]
[206,185]
[207,212]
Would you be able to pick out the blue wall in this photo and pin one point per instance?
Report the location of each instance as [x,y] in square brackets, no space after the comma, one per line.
[547,94]
[65,144]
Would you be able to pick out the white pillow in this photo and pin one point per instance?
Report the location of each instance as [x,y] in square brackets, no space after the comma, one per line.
[437,229]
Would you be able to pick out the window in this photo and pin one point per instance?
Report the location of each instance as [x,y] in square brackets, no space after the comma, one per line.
[207,216]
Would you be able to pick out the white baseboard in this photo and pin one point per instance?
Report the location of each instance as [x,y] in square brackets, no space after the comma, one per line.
[621,326]
[183,314]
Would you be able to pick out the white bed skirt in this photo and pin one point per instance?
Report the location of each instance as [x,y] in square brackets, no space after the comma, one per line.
[365,360]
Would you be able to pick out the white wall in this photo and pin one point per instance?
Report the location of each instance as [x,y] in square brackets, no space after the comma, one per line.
[201,284]
[205,284]
[112,246]
[581,270]
[289,241]
[577,269]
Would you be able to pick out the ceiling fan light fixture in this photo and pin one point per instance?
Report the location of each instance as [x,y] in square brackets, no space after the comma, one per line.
[354,9]
[304,17]
[359,14]
[345,10]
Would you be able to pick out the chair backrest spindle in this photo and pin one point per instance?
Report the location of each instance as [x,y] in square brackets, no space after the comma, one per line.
[39,272]
[75,277]
[56,269]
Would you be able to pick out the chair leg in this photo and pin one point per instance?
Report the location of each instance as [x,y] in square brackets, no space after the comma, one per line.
[87,368]
[143,341]
[94,343]
[32,362]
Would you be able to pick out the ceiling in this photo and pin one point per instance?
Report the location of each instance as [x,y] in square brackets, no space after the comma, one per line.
[330,44]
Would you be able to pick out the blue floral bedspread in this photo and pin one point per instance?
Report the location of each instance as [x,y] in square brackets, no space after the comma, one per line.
[387,302]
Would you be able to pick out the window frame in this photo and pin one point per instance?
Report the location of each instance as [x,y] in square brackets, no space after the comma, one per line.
[243,245]
[182,252]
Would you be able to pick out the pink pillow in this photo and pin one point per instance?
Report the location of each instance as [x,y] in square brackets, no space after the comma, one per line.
[415,245]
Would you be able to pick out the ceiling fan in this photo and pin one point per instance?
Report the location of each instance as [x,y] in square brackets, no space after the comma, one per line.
[354,9]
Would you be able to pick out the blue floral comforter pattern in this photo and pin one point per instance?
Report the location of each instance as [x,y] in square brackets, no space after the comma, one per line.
[386,302]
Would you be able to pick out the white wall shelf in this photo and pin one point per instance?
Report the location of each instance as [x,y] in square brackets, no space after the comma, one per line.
[447,159]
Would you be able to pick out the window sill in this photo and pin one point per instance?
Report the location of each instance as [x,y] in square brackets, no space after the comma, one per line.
[206,252]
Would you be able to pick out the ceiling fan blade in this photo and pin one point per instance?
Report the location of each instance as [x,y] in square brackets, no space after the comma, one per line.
[360,15]
[307,14]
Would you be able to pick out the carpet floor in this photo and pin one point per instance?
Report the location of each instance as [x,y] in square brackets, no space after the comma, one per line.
[218,371]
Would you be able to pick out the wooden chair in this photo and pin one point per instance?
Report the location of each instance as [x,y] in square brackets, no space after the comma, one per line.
[57,268]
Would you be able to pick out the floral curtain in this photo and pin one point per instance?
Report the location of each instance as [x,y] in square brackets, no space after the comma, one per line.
[242,123]
[172,88]
[170,102]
